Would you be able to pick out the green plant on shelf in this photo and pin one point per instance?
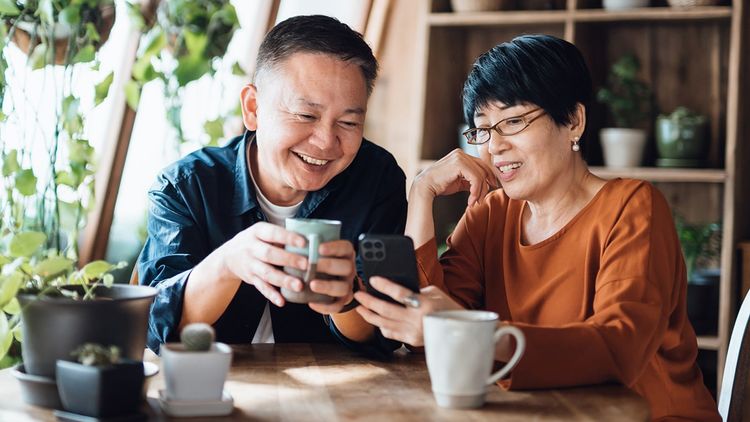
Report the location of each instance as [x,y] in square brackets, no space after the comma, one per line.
[698,242]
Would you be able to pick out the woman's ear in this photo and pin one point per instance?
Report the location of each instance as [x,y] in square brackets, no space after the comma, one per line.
[249,103]
[578,121]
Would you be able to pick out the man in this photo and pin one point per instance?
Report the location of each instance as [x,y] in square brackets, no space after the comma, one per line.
[216,239]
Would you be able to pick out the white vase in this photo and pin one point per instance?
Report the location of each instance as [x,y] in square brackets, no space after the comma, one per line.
[624,4]
[622,147]
[193,375]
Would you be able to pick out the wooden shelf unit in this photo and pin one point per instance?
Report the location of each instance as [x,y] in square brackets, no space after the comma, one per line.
[690,57]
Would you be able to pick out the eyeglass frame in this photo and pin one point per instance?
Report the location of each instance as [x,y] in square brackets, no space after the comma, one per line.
[467,132]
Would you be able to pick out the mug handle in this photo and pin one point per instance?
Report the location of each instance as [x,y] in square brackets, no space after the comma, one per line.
[313,244]
[520,347]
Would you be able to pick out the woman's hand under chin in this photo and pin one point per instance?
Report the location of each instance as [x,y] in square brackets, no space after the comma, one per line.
[397,322]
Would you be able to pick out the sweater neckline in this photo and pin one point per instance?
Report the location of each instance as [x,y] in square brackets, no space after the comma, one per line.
[566,227]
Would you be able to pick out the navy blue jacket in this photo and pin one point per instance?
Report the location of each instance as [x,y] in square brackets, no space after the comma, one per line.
[206,198]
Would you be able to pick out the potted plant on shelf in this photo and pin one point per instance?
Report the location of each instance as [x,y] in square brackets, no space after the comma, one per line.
[186,42]
[700,244]
[629,102]
[195,370]
[623,4]
[681,138]
[100,383]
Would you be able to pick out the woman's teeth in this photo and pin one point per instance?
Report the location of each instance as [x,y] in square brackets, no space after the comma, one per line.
[310,160]
[509,167]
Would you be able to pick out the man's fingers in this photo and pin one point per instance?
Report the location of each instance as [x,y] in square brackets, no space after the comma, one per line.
[268,291]
[271,233]
[275,255]
[343,268]
[274,276]
[337,248]
[335,288]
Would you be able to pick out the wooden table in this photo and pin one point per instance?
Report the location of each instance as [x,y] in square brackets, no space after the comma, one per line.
[318,382]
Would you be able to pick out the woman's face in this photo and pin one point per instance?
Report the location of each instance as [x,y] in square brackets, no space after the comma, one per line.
[530,162]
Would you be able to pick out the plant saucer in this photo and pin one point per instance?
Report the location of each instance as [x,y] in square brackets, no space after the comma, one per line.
[196,407]
[75,417]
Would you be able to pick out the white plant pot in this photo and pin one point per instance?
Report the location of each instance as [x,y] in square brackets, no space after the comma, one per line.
[622,147]
[624,4]
[195,375]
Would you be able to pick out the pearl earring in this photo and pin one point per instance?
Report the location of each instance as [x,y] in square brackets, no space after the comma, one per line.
[575,145]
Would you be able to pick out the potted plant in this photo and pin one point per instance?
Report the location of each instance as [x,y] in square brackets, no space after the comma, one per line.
[623,4]
[628,99]
[195,369]
[100,383]
[186,42]
[46,188]
[700,244]
[681,138]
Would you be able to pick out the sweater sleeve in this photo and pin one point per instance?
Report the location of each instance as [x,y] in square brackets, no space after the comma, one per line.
[640,277]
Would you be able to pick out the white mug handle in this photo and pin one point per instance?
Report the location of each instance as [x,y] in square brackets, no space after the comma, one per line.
[520,347]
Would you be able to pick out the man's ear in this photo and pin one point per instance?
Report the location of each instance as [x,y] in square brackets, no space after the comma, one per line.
[249,102]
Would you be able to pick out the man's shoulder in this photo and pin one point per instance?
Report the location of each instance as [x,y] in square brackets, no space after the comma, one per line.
[206,162]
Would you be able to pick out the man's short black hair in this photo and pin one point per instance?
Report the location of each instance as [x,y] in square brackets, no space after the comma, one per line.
[537,69]
[316,34]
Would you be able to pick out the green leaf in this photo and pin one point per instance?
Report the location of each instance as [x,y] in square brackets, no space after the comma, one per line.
[143,70]
[9,285]
[133,94]
[18,333]
[66,178]
[6,335]
[92,34]
[195,42]
[237,70]
[102,88]
[26,243]
[135,16]
[70,16]
[10,162]
[85,55]
[9,8]
[215,130]
[26,182]
[108,280]
[96,269]
[157,40]
[38,57]
[190,68]
[71,119]
[53,267]
[13,307]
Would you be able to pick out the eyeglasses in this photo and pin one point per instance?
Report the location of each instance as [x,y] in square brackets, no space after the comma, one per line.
[505,127]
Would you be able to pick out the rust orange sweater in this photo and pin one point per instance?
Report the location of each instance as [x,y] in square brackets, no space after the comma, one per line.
[601,300]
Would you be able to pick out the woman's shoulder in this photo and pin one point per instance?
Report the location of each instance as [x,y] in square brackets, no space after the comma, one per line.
[636,195]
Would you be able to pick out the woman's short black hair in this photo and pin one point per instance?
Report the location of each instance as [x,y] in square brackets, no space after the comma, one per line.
[536,69]
[316,34]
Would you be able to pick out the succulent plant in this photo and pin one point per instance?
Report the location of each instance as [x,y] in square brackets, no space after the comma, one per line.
[197,337]
[92,354]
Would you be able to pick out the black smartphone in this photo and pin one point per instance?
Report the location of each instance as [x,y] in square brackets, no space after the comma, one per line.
[390,256]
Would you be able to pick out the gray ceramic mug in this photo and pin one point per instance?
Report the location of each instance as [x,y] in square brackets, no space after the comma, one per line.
[316,231]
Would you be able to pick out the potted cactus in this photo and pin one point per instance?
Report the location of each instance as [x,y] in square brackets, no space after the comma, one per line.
[195,369]
[100,383]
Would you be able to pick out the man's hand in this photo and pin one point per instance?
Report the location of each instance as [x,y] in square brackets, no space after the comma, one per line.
[255,254]
[336,259]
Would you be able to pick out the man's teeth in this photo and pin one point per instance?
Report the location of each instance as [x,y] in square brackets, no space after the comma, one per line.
[310,160]
[509,167]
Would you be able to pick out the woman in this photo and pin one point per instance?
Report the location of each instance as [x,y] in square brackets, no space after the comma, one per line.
[589,269]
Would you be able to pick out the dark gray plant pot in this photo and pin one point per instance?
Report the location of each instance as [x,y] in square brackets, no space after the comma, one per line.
[55,326]
[101,391]
[703,301]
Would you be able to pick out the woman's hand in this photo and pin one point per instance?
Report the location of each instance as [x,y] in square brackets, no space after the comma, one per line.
[456,172]
[398,322]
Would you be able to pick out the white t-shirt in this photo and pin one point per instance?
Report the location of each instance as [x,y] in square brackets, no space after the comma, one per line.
[275,215]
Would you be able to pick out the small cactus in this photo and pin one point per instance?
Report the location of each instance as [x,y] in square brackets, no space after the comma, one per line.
[197,337]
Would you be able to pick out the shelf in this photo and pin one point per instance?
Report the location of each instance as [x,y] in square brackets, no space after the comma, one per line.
[654,14]
[525,17]
[709,343]
[658,174]
[497,18]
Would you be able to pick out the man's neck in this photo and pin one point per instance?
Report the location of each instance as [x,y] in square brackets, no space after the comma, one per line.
[275,192]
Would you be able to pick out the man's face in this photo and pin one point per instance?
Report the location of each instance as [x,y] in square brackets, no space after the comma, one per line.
[308,113]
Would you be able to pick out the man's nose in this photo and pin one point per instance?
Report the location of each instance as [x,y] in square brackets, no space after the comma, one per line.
[324,136]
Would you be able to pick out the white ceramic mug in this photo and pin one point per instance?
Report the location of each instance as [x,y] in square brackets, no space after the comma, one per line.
[460,351]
